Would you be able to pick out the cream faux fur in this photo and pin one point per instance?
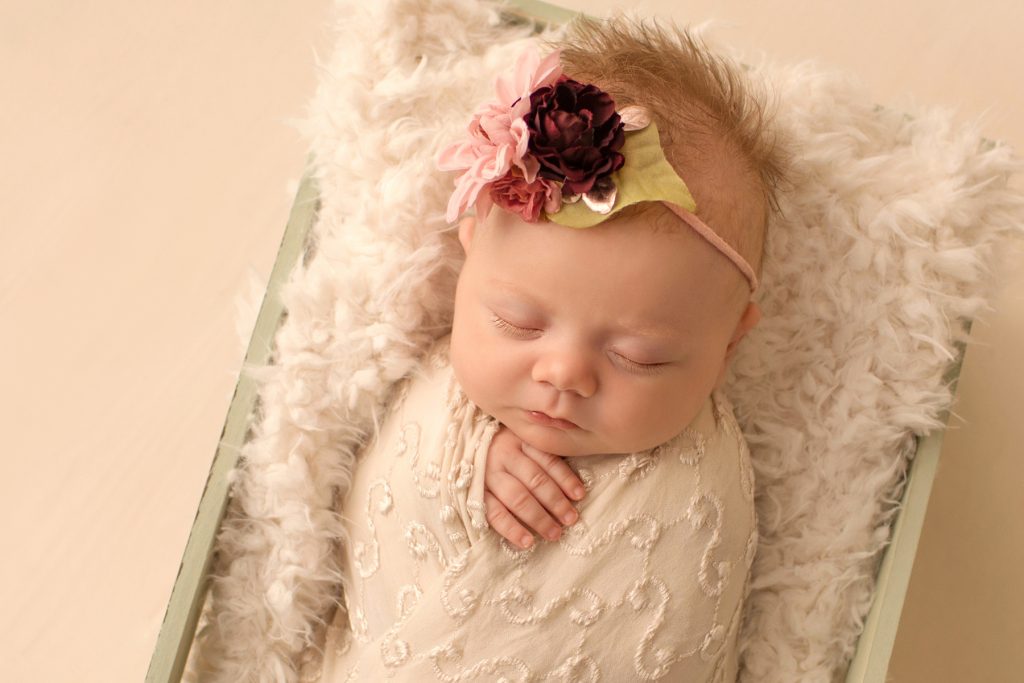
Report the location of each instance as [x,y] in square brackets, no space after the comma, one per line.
[884,246]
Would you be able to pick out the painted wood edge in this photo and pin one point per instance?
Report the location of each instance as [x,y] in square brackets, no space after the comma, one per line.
[870,663]
[538,12]
[188,594]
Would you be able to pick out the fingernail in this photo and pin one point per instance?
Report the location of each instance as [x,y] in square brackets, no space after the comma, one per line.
[577,492]
[526,541]
[570,517]
[554,534]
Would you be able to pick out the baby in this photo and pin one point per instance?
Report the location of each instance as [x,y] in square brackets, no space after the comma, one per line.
[622,185]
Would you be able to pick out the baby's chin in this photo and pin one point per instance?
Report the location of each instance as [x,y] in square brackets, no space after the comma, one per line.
[566,444]
[549,440]
[579,443]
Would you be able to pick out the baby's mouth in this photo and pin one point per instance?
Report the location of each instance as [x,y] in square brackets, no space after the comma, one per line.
[548,421]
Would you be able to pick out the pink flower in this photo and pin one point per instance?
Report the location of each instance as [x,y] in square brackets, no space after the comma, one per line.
[498,136]
[526,197]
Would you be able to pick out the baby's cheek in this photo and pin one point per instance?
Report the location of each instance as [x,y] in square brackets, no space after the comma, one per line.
[462,357]
[646,419]
[474,365]
[625,419]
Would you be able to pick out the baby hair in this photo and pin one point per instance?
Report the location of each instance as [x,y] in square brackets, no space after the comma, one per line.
[703,106]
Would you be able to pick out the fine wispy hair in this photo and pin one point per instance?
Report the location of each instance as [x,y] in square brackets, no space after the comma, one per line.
[701,101]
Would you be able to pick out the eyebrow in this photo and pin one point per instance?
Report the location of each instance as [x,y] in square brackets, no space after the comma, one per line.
[514,290]
[659,330]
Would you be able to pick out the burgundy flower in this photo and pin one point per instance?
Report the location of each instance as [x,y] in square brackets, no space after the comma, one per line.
[514,194]
[575,133]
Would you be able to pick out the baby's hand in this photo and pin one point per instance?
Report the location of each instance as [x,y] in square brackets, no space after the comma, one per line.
[522,482]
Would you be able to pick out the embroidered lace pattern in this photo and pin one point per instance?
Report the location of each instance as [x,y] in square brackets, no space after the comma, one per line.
[647,585]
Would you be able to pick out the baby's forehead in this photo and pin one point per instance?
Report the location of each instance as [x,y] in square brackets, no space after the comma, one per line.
[656,268]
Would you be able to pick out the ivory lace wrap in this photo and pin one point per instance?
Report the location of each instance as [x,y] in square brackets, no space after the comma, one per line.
[647,585]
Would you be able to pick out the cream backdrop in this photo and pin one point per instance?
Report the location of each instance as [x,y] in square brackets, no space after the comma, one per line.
[147,175]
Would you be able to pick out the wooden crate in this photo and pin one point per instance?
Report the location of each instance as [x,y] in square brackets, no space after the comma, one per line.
[874,648]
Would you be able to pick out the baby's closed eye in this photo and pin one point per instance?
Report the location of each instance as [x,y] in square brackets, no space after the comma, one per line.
[518,331]
[514,330]
[637,366]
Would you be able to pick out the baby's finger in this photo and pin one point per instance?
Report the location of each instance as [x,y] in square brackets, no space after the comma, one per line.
[502,521]
[558,470]
[522,501]
[543,488]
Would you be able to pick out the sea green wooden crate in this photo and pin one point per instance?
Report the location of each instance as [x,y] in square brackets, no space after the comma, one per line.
[874,648]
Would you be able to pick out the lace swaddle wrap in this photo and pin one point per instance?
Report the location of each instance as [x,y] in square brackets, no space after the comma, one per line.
[647,584]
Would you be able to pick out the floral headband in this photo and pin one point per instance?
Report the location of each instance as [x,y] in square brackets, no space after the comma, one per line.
[553,148]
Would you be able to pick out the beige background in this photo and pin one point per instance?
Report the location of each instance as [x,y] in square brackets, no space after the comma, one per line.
[148,168]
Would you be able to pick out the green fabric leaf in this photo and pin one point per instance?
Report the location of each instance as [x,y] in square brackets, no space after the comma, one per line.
[645,176]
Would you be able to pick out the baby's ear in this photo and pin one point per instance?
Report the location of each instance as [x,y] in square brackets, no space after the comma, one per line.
[467,228]
[751,316]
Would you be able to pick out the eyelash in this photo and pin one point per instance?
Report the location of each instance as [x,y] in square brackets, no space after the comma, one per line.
[525,332]
[641,368]
[512,330]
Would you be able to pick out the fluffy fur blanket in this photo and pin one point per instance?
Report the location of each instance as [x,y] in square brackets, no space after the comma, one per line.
[887,236]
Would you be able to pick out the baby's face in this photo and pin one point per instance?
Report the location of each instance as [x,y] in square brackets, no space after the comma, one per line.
[603,340]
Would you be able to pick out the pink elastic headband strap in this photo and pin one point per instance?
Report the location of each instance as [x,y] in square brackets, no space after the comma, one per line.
[717,242]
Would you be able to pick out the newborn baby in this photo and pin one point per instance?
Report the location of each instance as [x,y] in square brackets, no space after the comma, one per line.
[583,342]
[594,320]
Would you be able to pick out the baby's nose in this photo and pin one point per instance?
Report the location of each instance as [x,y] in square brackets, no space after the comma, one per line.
[566,370]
